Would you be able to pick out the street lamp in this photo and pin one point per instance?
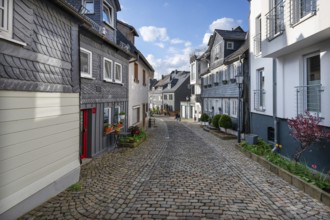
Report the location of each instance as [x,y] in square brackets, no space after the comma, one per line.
[239,81]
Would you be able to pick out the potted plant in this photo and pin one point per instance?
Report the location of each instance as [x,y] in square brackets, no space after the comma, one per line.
[122,115]
[108,128]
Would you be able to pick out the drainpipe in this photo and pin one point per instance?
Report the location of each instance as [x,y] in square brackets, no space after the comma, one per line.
[275,101]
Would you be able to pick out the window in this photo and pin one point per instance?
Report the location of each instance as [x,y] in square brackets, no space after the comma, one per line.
[234,107]
[301,9]
[193,72]
[116,118]
[257,37]
[170,97]
[107,14]
[232,71]
[259,93]
[106,116]
[230,45]
[144,78]
[89,6]
[107,69]
[136,115]
[275,19]
[215,53]
[226,105]
[313,83]
[85,63]
[165,97]
[118,73]
[6,18]
[136,72]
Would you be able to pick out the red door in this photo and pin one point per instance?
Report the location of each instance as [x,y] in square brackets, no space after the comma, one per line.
[84,133]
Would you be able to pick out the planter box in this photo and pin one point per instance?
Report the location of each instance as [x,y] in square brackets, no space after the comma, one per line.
[308,188]
[131,145]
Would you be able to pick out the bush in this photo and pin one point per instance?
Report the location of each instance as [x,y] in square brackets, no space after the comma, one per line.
[204,117]
[215,121]
[225,122]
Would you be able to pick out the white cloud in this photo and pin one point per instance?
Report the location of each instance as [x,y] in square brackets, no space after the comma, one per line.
[225,24]
[161,45]
[152,33]
[177,41]
[221,23]
[206,38]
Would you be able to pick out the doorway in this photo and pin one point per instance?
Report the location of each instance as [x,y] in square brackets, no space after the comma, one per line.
[84,125]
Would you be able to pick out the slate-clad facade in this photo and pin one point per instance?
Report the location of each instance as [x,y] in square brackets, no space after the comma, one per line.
[219,88]
[103,96]
[39,103]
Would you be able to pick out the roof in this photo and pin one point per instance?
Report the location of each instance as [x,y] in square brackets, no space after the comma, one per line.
[130,27]
[178,78]
[235,55]
[236,34]
[125,43]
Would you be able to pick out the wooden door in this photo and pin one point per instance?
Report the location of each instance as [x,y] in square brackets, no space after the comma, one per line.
[84,135]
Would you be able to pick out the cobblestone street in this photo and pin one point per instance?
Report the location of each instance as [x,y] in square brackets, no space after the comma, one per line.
[180,172]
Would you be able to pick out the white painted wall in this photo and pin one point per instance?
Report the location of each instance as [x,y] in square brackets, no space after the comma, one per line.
[292,75]
[138,93]
[39,142]
[257,61]
[313,29]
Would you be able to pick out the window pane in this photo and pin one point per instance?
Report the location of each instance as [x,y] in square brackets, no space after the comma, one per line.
[106,14]
[118,72]
[89,5]
[106,116]
[107,69]
[84,57]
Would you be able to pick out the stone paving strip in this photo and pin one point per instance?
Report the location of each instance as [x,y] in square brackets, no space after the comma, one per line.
[180,172]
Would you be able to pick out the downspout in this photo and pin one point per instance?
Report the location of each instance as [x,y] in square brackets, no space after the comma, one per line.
[275,102]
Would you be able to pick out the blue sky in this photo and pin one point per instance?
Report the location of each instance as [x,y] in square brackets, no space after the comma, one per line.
[171,30]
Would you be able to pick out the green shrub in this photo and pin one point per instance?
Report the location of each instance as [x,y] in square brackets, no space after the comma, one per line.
[204,117]
[225,122]
[215,121]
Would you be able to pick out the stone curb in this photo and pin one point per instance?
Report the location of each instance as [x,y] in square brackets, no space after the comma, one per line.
[294,180]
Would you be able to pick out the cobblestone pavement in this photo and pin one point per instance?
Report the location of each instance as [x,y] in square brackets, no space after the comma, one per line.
[180,172]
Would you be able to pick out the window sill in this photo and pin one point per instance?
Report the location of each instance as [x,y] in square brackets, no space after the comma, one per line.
[260,109]
[301,20]
[13,41]
[87,77]
[275,35]
[108,24]
[107,80]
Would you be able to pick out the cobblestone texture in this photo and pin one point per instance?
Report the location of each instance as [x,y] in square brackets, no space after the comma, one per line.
[180,172]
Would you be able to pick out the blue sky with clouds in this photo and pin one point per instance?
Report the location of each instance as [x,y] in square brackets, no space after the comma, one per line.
[170,30]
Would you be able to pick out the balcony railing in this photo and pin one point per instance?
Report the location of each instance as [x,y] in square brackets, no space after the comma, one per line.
[257,43]
[259,100]
[309,99]
[275,21]
[299,9]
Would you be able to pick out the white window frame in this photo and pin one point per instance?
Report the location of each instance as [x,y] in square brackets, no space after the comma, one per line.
[7,30]
[170,97]
[83,3]
[110,13]
[233,108]
[165,97]
[105,78]
[230,45]
[115,73]
[109,112]
[226,106]
[88,74]
[260,75]
[138,119]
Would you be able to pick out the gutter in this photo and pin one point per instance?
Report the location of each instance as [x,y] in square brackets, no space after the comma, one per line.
[275,102]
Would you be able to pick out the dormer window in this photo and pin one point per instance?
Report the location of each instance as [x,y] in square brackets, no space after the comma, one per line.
[89,6]
[230,45]
[107,14]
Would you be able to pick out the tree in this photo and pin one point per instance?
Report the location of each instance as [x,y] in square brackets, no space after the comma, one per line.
[306,130]
[215,121]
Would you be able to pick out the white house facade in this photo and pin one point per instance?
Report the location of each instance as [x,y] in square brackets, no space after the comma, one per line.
[290,69]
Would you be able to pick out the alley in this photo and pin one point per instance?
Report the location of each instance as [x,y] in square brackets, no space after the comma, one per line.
[180,172]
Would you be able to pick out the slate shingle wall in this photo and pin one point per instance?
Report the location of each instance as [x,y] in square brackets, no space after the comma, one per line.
[96,90]
[45,64]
